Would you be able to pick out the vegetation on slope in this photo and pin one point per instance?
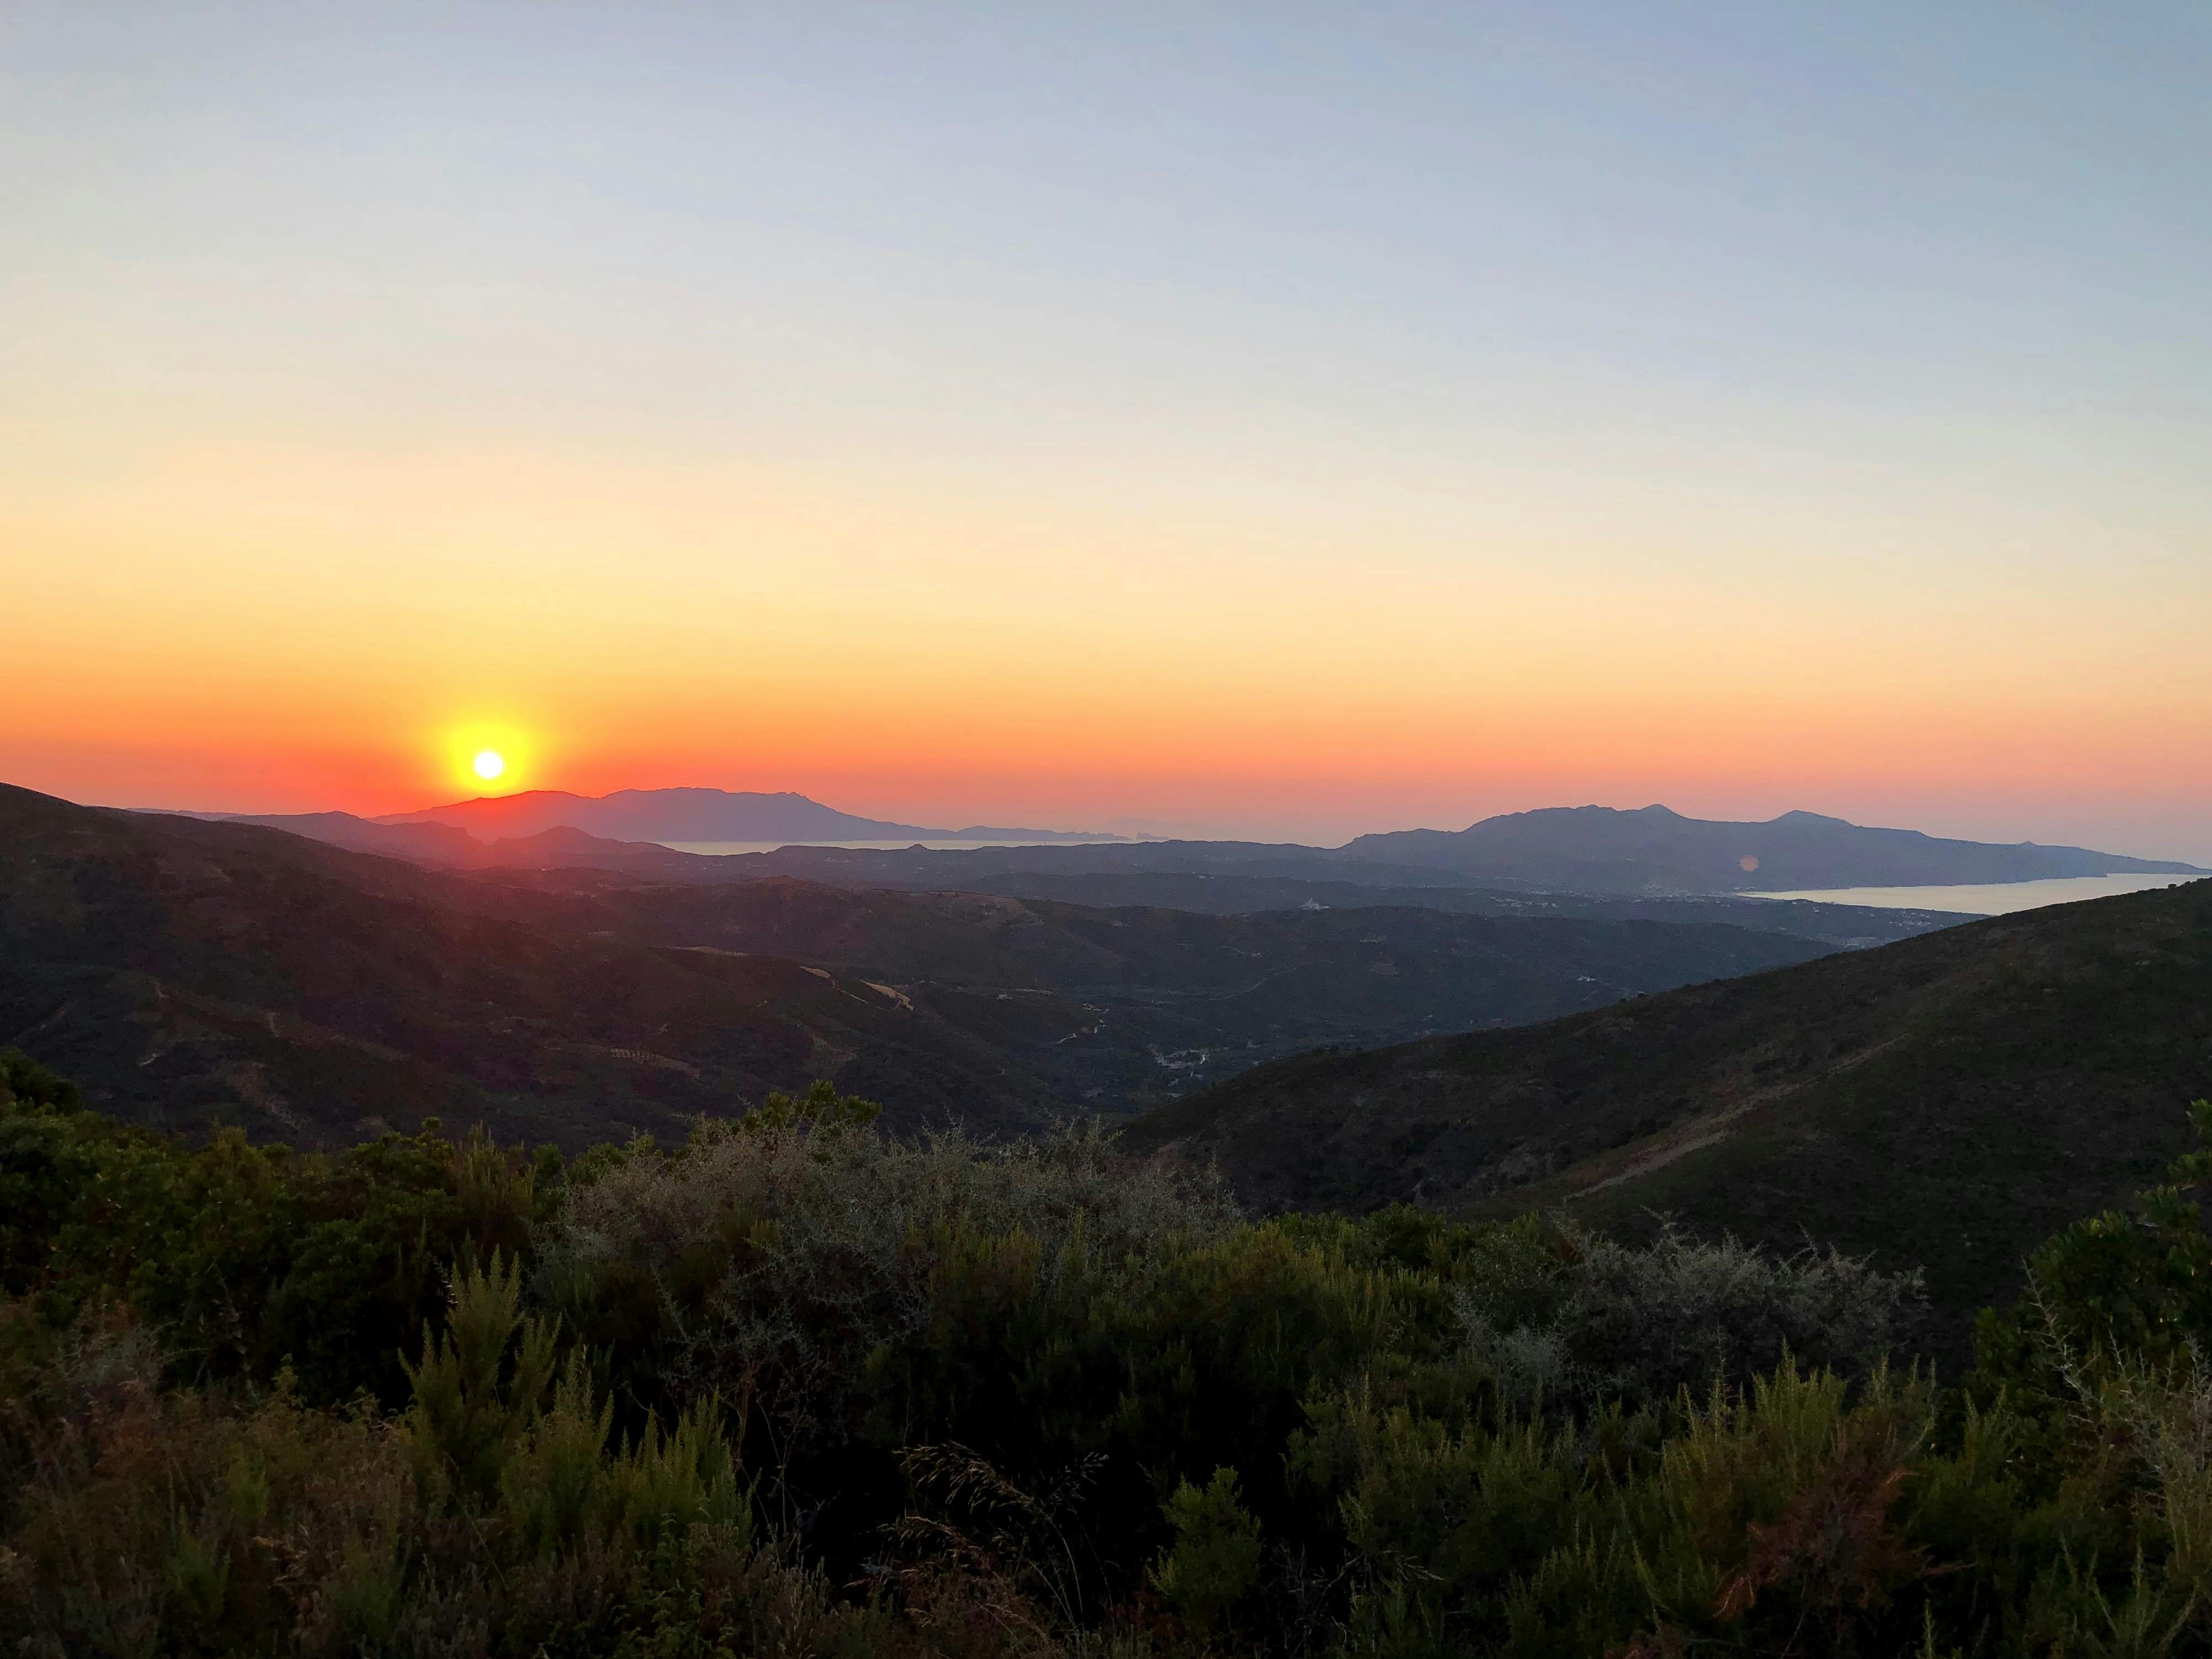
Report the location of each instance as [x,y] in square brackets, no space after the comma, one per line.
[798,1387]
[1950,1099]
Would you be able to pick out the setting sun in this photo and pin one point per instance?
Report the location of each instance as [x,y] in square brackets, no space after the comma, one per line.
[484,753]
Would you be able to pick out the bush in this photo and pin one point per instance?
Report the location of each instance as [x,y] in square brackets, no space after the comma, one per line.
[2114,1288]
[493,1516]
[252,1260]
[1640,1325]
[799,1388]
[768,1259]
[1215,1559]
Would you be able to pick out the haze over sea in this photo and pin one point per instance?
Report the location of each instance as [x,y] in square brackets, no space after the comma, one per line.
[1986,899]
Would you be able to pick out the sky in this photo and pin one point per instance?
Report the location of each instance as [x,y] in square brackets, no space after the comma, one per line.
[1265,420]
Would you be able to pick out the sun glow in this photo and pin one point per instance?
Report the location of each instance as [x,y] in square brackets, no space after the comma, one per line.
[486,756]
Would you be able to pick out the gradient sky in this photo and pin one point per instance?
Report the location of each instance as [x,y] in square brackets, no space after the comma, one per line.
[1267,419]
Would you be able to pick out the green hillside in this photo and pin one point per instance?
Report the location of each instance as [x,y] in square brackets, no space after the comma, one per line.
[1946,1100]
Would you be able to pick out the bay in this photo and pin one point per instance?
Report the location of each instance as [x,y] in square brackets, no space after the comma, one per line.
[723,849]
[1988,898]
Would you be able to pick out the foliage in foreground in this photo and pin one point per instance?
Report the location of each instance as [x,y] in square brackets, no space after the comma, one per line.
[796,1387]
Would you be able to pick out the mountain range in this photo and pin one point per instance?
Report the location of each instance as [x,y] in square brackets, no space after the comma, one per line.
[1210,878]
[1588,850]
[1887,1081]
[697,815]
[190,972]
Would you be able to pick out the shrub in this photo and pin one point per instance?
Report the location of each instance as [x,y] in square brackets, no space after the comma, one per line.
[1215,1559]
[2113,1288]
[768,1258]
[492,1517]
[1641,1325]
[799,1388]
[252,1260]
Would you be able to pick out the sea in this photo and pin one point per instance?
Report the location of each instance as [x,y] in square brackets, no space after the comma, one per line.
[719,848]
[1986,899]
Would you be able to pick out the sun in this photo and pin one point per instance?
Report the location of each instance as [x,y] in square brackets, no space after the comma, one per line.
[485,757]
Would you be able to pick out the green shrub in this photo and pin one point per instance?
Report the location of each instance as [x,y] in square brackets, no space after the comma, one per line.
[1214,1562]
[479,1388]
[799,1388]
[2114,1288]
[482,1520]
[252,1260]
[1640,1325]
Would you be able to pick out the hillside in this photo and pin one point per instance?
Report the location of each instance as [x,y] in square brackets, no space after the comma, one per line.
[187,970]
[1946,1100]
[445,846]
[1849,927]
[1126,1007]
[1597,849]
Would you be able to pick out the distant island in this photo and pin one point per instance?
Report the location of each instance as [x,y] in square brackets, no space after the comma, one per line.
[1599,849]
[700,815]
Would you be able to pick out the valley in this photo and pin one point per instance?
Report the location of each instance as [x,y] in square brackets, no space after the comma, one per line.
[1334,1033]
[191,972]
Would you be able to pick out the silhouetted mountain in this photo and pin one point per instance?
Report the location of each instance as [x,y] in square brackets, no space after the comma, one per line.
[424,843]
[1946,1100]
[1222,880]
[693,814]
[187,970]
[1597,849]
[489,841]
[1590,850]
[447,847]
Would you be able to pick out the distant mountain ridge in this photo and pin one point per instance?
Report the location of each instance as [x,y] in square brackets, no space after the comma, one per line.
[1601,849]
[697,815]
[187,972]
[1154,875]
[1651,853]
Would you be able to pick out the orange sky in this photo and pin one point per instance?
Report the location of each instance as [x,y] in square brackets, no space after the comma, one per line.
[277,627]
